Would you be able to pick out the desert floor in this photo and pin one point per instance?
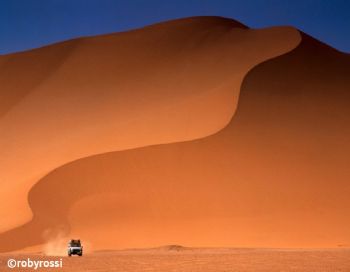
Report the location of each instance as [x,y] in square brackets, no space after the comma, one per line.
[184,259]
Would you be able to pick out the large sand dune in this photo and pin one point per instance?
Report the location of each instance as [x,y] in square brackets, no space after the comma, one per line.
[273,175]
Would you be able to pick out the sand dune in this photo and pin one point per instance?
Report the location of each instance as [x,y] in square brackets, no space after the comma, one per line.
[275,175]
[169,82]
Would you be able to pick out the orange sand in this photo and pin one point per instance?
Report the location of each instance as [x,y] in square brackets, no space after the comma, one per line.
[128,140]
[198,260]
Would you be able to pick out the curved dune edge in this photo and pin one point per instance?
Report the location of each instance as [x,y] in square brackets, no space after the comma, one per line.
[277,176]
[43,225]
[192,68]
[235,188]
[70,104]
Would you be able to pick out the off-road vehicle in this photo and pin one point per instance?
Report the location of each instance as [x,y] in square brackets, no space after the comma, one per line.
[75,248]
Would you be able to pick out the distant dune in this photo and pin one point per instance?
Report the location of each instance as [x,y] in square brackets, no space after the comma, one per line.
[133,139]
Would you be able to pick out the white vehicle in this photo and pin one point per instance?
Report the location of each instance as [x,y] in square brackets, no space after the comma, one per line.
[75,248]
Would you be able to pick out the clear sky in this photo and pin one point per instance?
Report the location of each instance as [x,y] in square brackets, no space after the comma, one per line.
[26,24]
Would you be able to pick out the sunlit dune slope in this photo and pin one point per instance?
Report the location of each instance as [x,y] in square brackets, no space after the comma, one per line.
[276,176]
[170,82]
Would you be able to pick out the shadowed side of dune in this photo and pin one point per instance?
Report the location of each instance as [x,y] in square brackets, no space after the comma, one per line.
[276,176]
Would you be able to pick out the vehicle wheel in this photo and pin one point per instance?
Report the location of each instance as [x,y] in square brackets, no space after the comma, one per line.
[81,254]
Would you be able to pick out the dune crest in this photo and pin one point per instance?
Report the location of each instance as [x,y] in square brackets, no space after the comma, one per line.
[276,176]
[171,82]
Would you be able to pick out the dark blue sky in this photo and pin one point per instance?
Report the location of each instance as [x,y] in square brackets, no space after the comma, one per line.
[26,24]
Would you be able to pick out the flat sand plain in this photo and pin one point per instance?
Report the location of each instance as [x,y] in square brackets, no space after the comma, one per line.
[204,260]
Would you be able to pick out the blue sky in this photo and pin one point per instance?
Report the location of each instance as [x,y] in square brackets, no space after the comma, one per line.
[26,24]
